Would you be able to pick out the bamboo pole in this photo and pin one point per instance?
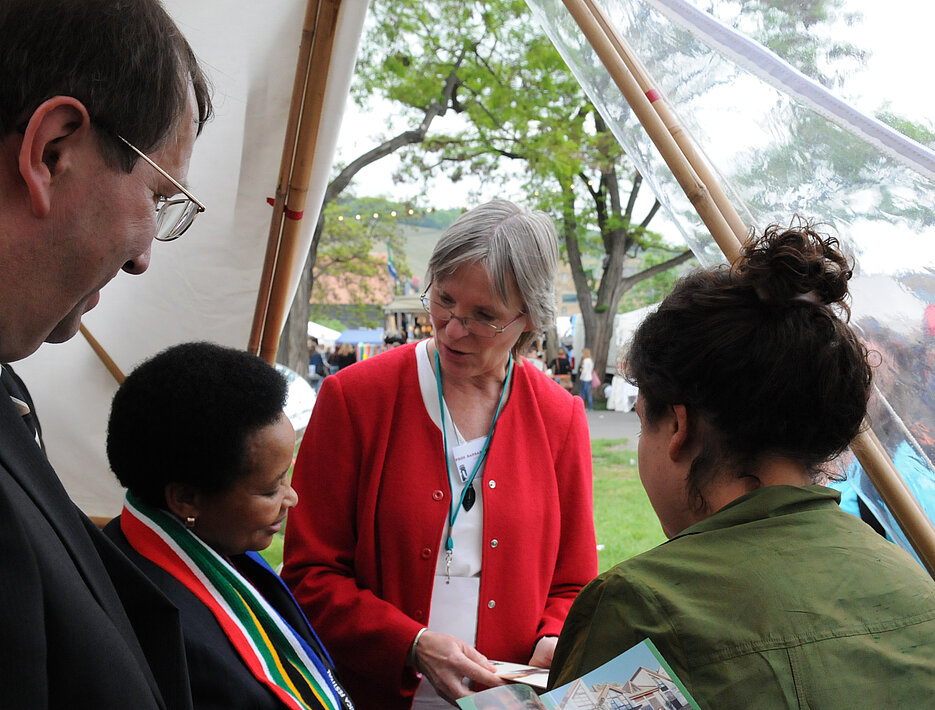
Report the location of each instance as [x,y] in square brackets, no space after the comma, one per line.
[681,136]
[696,191]
[687,166]
[285,170]
[891,486]
[274,296]
[103,355]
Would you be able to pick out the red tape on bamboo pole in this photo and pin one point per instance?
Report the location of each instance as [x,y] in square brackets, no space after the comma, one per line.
[270,293]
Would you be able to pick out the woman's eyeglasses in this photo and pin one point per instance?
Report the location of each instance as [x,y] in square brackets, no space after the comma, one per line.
[442,314]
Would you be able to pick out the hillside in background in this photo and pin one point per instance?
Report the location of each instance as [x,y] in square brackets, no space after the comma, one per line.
[344,306]
[419,244]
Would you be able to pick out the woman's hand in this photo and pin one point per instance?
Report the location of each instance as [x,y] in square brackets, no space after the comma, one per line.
[447,661]
[543,652]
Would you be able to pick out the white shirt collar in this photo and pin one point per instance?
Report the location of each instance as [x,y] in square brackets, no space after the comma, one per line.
[21,406]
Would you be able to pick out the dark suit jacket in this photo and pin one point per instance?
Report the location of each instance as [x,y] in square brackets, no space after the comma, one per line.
[219,677]
[80,626]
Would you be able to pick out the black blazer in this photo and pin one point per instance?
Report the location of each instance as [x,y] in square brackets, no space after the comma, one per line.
[220,679]
[80,626]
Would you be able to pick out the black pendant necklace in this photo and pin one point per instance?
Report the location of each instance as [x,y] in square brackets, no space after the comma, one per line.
[469,497]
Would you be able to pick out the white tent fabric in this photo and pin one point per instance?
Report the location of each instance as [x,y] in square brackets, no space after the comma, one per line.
[204,286]
[783,145]
[625,324]
[324,335]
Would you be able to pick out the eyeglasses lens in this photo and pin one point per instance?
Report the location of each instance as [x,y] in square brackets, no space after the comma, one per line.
[175,216]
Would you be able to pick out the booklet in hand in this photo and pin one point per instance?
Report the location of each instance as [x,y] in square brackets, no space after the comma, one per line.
[518,673]
[637,678]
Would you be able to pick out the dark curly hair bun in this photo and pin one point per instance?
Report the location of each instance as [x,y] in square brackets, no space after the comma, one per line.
[795,265]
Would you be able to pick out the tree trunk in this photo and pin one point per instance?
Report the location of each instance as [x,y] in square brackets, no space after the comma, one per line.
[293,341]
[603,331]
[293,348]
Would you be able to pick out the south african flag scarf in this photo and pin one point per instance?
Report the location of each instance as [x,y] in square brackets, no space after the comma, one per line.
[276,655]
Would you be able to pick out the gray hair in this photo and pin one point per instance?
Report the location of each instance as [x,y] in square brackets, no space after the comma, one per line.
[516,246]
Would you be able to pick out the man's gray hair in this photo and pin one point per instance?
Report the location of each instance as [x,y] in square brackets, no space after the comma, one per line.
[516,246]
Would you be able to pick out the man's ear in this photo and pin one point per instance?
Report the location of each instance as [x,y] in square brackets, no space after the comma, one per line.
[182,500]
[53,132]
[679,434]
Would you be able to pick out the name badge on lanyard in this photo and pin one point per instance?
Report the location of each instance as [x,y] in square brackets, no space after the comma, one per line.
[466,456]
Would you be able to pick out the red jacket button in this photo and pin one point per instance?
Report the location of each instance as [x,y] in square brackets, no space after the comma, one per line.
[438,495]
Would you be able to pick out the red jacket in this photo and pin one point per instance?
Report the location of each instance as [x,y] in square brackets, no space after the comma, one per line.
[360,548]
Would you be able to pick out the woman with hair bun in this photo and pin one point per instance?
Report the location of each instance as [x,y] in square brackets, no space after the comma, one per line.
[766,594]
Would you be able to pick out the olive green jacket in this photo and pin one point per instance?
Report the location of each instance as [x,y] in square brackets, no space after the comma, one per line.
[778,600]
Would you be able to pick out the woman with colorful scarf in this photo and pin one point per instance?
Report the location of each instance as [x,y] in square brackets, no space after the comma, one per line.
[198,436]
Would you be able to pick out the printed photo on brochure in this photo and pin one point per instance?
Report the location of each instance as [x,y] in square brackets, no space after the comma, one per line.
[638,678]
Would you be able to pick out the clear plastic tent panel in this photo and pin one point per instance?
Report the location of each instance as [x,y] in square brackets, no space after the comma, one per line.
[768,132]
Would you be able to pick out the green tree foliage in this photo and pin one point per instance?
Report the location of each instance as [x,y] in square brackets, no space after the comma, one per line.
[521,113]
[525,115]
[354,230]
[431,218]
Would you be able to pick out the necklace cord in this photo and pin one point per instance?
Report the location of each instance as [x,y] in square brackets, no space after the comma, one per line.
[453,511]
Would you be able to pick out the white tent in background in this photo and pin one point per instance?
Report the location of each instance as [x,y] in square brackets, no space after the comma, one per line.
[625,324]
[204,286]
[622,395]
[324,335]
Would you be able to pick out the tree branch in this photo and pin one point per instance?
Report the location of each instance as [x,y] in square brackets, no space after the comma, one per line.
[629,282]
[417,135]
[652,212]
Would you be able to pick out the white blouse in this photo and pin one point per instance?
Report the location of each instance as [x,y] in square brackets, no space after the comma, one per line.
[454,603]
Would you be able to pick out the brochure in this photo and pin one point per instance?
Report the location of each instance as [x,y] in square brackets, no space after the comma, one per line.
[518,673]
[637,679]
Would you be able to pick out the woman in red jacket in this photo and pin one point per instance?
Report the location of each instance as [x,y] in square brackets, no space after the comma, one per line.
[447,514]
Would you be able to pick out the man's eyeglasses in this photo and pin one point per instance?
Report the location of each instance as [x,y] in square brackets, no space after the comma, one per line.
[442,314]
[173,214]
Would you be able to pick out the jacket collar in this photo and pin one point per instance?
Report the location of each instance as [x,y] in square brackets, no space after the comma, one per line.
[766,502]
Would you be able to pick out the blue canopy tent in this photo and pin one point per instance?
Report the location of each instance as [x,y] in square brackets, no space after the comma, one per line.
[358,336]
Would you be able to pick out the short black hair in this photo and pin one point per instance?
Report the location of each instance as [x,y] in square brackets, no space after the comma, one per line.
[762,352]
[184,416]
[125,60]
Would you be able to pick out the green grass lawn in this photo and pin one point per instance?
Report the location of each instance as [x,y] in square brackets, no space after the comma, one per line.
[623,517]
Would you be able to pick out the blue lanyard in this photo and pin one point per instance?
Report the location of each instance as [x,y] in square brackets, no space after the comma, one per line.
[453,511]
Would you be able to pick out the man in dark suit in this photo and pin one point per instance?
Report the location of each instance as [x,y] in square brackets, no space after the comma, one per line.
[100,104]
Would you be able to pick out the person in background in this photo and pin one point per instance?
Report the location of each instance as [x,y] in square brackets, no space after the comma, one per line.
[448,513]
[100,105]
[318,366]
[560,367]
[534,357]
[329,358]
[766,594]
[198,436]
[560,364]
[345,356]
[585,371]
